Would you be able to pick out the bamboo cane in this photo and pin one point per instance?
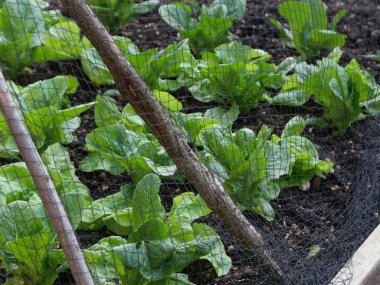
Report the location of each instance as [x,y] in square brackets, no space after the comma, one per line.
[45,187]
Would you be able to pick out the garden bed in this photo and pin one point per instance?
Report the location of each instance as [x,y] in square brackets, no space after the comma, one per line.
[333,216]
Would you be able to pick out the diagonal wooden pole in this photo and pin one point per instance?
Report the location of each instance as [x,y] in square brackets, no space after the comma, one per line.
[134,90]
[45,187]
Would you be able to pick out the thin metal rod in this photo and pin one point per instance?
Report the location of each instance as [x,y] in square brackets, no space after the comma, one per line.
[45,187]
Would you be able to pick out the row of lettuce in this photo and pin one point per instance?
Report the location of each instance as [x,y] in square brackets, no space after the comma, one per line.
[253,167]
[149,245]
[223,70]
[159,245]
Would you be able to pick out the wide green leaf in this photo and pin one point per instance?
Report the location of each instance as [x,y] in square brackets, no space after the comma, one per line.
[101,262]
[189,207]
[93,215]
[310,32]
[298,15]
[146,203]
[176,15]
[292,98]
[139,154]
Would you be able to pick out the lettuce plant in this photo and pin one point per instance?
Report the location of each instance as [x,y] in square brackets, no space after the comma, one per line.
[139,153]
[254,168]
[115,14]
[209,29]
[93,65]
[122,142]
[17,184]
[159,69]
[193,123]
[30,35]
[234,74]
[159,244]
[46,111]
[347,94]
[28,245]
[310,31]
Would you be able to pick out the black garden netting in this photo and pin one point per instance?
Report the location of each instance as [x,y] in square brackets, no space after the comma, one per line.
[279,99]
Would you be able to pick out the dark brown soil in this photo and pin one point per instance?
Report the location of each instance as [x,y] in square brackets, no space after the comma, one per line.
[303,218]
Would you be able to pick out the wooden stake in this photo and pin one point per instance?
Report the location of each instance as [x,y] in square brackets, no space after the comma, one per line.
[134,90]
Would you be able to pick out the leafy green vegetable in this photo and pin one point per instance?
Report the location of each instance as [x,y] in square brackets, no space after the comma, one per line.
[123,142]
[108,113]
[28,244]
[62,42]
[159,69]
[93,65]
[102,264]
[347,94]
[74,194]
[29,35]
[112,211]
[255,168]
[16,182]
[137,153]
[210,28]
[193,123]
[46,111]
[159,244]
[309,31]
[115,14]
[168,100]
[235,74]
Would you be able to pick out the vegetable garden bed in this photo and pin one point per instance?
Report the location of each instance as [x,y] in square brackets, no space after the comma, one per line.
[317,226]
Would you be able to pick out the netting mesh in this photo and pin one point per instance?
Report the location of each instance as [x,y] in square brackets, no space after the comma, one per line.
[277,98]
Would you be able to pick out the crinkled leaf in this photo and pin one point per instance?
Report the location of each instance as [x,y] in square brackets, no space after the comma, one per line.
[62,42]
[291,98]
[106,206]
[99,258]
[235,8]
[262,207]
[176,15]
[47,93]
[168,100]
[189,207]
[225,116]
[106,112]
[149,258]
[278,160]
[139,154]
[96,161]
[294,127]
[236,51]
[16,182]
[146,203]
